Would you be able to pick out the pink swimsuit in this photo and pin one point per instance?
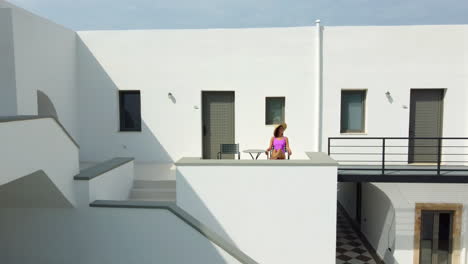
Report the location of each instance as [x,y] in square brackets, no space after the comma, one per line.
[279,144]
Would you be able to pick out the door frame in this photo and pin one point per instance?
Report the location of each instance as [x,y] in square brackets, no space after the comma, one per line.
[411,109]
[457,210]
[202,92]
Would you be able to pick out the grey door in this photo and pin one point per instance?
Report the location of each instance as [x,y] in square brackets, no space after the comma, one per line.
[426,111]
[218,122]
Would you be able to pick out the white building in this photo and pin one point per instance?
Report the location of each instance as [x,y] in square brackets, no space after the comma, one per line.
[72,104]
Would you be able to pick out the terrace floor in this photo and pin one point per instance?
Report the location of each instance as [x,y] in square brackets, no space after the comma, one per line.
[350,249]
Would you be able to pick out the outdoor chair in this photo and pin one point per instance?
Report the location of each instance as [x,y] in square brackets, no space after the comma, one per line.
[284,150]
[228,149]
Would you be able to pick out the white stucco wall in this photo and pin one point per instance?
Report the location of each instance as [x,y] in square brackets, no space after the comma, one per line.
[103,236]
[44,59]
[40,144]
[388,215]
[114,184]
[395,59]
[7,64]
[275,214]
[378,223]
[254,63]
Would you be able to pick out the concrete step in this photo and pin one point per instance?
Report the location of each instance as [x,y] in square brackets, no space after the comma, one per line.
[153,194]
[155,171]
[149,184]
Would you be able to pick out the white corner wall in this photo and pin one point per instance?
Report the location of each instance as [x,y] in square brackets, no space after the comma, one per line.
[275,214]
[44,59]
[8,105]
[254,63]
[38,144]
[378,223]
[388,213]
[114,184]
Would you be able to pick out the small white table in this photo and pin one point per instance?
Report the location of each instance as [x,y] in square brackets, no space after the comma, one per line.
[255,151]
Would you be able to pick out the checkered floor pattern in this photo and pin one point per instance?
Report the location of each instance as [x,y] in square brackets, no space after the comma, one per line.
[349,247]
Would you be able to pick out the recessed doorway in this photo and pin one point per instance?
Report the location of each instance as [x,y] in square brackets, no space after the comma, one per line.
[437,234]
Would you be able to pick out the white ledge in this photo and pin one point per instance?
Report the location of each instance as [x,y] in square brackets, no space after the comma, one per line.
[315,159]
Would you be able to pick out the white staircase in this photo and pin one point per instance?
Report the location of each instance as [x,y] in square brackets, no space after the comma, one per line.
[159,190]
[154,182]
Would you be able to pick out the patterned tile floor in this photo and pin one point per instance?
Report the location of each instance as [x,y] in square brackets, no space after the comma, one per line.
[349,247]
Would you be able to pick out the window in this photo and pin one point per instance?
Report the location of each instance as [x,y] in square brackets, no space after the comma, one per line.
[130,113]
[353,111]
[274,113]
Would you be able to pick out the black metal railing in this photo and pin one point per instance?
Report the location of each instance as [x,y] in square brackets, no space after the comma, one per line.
[381,152]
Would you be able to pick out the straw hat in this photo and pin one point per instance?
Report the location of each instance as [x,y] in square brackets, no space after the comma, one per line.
[284,125]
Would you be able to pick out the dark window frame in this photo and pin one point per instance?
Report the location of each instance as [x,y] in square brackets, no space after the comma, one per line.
[122,127]
[363,114]
[283,110]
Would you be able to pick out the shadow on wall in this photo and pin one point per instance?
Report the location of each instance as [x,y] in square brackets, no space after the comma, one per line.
[347,197]
[99,118]
[45,106]
[378,222]
[35,190]
[197,205]
[104,235]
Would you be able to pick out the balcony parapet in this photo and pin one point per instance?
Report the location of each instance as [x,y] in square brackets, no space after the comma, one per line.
[315,159]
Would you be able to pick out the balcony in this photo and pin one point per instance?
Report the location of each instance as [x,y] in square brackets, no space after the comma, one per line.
[400,159]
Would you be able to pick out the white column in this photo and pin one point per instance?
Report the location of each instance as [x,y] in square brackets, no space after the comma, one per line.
[317,102]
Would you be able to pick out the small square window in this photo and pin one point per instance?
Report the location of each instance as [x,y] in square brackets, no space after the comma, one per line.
[353,111]
[130,111]
[274,113]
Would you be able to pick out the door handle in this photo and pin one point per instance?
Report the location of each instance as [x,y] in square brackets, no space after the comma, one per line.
[204,130]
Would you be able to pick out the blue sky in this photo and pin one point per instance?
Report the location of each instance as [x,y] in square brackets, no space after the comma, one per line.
[144,14]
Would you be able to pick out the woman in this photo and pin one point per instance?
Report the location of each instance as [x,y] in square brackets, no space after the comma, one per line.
[279,143]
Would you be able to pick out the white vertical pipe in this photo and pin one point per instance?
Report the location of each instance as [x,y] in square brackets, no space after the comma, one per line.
[318,90]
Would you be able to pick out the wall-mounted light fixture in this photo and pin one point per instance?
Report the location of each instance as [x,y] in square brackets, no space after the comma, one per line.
[171,97]
[389,97]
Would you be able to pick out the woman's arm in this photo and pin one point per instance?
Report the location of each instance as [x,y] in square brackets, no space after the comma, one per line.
[287,147]
[270,146]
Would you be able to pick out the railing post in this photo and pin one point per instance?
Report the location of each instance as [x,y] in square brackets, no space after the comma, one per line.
[439,154]
[329,146]
[383,156]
